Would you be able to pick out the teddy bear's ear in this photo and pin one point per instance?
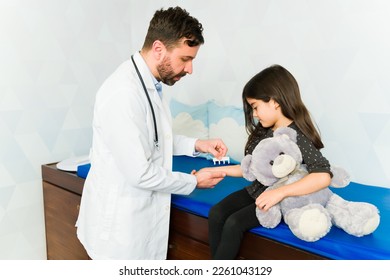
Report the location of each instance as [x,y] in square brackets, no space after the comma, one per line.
[245,167]
[291,133]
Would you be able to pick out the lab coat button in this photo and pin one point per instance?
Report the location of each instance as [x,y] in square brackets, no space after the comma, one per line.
[168,136]
[167,207]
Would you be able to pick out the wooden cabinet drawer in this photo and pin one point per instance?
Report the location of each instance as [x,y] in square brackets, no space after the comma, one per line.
[61,212]
[182,247]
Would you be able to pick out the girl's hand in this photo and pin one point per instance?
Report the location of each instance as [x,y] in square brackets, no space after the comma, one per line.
[268,199]
[310,183]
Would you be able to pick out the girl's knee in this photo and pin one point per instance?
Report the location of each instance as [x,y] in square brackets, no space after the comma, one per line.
[233,224]
[216,213]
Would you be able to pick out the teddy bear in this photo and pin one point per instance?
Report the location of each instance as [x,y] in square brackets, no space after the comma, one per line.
[277,161]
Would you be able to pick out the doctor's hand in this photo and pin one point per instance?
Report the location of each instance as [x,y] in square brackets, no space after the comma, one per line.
[208,179]
[216,147]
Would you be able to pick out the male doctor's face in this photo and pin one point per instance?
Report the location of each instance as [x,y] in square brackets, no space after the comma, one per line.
[177,63]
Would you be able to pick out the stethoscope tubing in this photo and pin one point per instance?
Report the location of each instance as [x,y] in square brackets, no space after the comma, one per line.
[150,103]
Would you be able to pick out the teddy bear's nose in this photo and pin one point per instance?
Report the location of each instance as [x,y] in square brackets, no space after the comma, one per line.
[283,165]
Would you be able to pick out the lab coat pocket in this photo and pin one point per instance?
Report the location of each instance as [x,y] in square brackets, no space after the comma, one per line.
[136,220]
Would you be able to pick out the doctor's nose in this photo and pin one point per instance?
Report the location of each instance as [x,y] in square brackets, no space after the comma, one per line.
[188,67]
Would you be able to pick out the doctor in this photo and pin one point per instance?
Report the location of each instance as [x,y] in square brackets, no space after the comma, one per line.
[125,207]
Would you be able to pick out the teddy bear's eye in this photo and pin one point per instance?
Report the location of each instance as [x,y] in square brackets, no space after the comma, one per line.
[281,153]
[271,162]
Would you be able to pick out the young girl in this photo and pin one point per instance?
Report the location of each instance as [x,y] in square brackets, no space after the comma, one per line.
[271,100]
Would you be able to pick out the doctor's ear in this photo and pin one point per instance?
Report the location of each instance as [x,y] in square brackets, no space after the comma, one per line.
[159,50]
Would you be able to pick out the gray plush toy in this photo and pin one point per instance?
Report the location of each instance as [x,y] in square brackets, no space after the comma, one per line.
[277,161]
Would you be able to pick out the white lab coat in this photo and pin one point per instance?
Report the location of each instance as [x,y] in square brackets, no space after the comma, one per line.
[125,206]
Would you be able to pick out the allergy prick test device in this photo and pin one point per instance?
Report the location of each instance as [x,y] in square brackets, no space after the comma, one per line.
[223,160]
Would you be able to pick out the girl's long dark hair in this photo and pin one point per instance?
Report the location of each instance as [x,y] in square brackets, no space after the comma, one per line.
[277,83]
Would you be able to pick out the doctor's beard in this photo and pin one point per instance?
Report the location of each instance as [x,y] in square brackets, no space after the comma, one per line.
[167,75]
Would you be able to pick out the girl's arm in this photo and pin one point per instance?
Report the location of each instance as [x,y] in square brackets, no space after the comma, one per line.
[310,183]
[229,170]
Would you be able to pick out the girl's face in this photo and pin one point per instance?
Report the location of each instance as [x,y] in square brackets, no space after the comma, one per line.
[266,112]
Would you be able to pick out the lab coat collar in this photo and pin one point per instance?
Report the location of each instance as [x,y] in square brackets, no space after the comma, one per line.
[148,77]
[149,83]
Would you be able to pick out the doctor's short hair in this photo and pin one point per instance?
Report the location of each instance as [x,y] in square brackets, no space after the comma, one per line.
[172,25]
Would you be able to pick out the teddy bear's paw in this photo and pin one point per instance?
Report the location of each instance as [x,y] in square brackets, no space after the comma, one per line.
[370,226]
[309,223]
[355,218]
[341,177]
[270,218]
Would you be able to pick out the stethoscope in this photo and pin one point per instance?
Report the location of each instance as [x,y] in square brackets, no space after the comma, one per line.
[150,104]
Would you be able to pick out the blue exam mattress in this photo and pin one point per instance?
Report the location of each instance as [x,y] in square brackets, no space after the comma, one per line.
[335,245]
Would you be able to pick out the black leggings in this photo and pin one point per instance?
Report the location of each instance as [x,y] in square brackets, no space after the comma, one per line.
[228,221]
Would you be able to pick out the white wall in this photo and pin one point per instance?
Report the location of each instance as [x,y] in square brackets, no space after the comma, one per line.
[55,54]
[53,57]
